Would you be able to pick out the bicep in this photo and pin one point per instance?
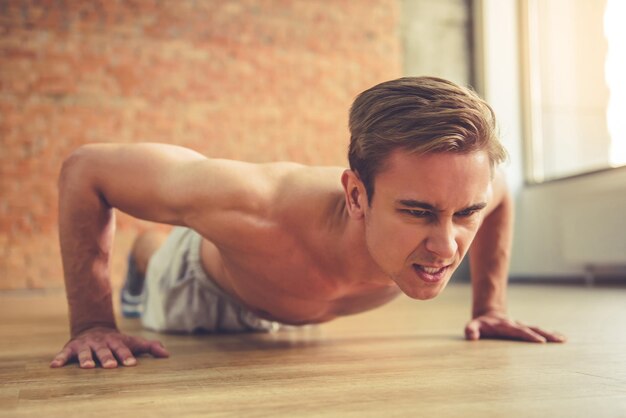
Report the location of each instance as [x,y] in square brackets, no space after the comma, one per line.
[147,181]
[175,185]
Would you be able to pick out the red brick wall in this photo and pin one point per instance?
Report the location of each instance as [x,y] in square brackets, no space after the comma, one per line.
[252,80]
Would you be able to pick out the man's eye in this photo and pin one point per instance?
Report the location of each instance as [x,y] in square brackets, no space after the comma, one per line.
[418,213]
[466,213]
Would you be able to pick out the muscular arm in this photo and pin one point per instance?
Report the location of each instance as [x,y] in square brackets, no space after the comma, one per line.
[95,179]
[491,251]
[489,265]
[155,182]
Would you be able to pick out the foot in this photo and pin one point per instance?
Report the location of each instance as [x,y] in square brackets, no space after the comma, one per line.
[132,300]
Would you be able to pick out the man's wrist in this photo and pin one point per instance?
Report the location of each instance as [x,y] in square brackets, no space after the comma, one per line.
[77,329]
[492,310]
[95,310]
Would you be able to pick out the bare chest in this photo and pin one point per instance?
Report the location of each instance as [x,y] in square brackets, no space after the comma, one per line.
[288,284]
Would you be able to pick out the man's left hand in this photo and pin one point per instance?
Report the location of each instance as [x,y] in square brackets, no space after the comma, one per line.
[500,326]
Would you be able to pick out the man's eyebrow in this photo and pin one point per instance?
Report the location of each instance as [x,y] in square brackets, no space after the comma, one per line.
[416,204]
[477,206]
[411,203]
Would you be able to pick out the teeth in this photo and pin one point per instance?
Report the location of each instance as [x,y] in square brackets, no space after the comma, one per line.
[431,270]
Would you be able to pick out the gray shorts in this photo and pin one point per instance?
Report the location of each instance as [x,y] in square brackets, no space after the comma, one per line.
[178,295]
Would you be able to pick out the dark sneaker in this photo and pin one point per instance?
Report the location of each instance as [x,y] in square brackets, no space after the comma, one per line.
[131,298]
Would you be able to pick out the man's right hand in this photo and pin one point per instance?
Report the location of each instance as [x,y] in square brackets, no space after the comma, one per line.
[110,348]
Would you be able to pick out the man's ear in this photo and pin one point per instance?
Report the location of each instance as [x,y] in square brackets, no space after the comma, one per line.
[355,194]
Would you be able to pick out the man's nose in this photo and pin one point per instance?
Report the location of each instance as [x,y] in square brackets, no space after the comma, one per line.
[442,241]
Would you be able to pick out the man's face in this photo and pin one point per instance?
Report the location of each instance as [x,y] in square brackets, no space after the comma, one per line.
[424,215]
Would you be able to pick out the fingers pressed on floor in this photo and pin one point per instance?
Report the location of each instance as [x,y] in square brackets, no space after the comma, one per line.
[124,355]
[523,333]
[85,358]
[472,331]
[106,358]
[552,337]
[139,346]
[61,358]
[533,336]
[157,349]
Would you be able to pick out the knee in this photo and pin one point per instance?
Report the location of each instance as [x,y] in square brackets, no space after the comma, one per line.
[145,245]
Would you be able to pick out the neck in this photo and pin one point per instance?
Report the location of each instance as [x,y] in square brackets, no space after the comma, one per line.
[347,245]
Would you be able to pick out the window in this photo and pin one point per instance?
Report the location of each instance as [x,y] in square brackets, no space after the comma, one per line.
[574,59]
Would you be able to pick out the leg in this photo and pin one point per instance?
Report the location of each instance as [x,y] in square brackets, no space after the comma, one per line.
[144,247]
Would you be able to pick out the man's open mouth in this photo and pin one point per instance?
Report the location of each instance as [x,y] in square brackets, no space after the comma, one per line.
[430,274]
[430,270]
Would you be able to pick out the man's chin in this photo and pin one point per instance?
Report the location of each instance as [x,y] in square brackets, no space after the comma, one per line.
[417,289]
[422,292]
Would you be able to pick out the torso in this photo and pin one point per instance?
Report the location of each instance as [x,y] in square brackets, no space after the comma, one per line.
[285,272]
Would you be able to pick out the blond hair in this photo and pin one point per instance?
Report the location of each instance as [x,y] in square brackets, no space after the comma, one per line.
[418,115]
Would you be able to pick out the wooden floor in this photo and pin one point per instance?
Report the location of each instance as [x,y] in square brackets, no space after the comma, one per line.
[406,359]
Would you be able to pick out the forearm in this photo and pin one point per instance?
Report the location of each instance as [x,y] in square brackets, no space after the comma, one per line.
[86,229]
[489,259]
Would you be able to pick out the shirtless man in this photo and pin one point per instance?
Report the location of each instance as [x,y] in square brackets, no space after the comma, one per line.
[261,245]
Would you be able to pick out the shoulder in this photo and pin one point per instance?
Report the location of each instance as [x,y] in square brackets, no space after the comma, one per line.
[501,194]
[308,198]
[229,201]
[230,185]
[244,205]
[273,187]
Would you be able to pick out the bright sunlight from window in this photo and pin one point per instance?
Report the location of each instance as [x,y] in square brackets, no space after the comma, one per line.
[615,75]
[575,86]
